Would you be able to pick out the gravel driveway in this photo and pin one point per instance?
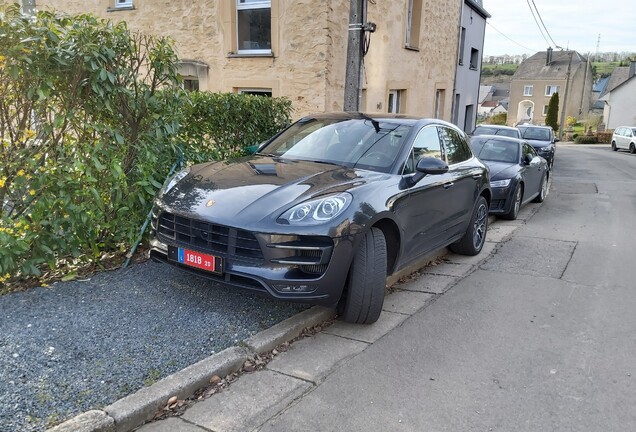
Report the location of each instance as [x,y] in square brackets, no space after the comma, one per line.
[76,346]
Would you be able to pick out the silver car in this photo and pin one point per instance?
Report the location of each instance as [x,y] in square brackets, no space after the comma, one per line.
[624,137]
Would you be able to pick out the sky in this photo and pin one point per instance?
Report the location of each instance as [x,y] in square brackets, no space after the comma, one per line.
[573,24]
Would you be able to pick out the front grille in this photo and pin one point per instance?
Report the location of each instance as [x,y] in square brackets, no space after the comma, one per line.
[208,237]
[316,269]
[497,204]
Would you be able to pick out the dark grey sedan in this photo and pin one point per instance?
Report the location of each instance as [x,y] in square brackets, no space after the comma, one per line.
[517,173]
[325,210]
[542,139]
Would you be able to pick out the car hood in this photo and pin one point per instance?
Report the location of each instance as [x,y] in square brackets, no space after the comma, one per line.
[256,188]
[502,170]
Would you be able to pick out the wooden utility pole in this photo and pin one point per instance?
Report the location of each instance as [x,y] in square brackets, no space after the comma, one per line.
[353,78]
[565,97]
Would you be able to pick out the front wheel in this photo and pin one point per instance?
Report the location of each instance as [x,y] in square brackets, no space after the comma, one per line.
[632,148]
[543,189]
[475,236]
[614,146]
[516,204]
[364,294]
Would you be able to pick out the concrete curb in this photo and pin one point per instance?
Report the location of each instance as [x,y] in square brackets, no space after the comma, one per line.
[134,410]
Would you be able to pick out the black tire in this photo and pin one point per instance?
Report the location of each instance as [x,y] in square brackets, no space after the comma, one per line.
[516,205]
[364,296]
[632,148]
[475,236]
[543,189]
[614,146]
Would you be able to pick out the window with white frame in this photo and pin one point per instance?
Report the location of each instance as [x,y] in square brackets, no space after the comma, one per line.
[440,101]
[28,7]
[551,89]
[123,3]
[395,101]
[413,23]
[254,26]
[527,90]
[545,110]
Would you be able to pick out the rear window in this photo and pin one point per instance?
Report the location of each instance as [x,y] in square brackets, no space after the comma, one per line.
[539,134]
[487,130]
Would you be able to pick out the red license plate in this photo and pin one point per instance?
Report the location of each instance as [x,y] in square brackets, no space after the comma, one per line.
[199,260]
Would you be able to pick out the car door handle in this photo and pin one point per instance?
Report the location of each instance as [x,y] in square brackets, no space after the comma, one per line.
[476,176]
[448,185]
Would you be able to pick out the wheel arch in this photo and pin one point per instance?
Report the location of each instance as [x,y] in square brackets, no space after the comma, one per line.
[393,240]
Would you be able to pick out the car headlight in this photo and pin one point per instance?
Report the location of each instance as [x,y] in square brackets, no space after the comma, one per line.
[500,183]
[172,181]
[546,149]
[316,211]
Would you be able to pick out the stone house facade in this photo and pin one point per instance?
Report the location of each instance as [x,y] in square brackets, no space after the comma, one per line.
[543,74]
[298,48]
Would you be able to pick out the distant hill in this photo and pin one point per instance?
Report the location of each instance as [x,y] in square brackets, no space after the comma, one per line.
[503,72]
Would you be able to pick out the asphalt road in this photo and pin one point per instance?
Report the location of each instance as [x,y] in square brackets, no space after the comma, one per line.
[76,346]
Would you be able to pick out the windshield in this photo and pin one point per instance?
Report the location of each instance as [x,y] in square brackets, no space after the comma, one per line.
[496,150]
[362,143]
[539,134]
[486,130]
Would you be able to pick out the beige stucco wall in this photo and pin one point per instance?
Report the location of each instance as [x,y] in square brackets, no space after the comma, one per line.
[309,44]
[390,66]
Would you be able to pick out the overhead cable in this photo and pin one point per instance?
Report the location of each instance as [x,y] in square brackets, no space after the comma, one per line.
[543,24]
[513,41]
[536,21]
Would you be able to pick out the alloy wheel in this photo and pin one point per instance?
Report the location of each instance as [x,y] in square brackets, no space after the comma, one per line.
[481,224]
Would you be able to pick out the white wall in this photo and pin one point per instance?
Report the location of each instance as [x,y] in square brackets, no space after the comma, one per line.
[620,108]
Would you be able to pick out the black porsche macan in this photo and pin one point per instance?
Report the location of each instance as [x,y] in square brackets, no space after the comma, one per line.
[326,209]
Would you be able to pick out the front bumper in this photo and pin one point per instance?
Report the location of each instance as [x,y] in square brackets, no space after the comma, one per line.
[502,199]
[310,269]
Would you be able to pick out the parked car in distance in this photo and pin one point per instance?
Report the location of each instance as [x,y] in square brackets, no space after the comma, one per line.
[624,137]
[326,209]
[542,139]
[488,129]
[517,173]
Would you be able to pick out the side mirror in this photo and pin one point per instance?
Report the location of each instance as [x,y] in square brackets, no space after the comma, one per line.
[425,166]
[527,158]
[556,140]
[431,166]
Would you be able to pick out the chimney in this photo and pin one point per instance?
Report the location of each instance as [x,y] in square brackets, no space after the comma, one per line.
[548,56]
[632,68]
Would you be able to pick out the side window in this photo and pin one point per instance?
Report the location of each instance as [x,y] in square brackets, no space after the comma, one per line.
[457,149]
[528,149]
[426,144]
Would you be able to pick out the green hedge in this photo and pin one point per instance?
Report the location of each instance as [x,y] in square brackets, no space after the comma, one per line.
[225,125]
[585,139]
[86,139]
